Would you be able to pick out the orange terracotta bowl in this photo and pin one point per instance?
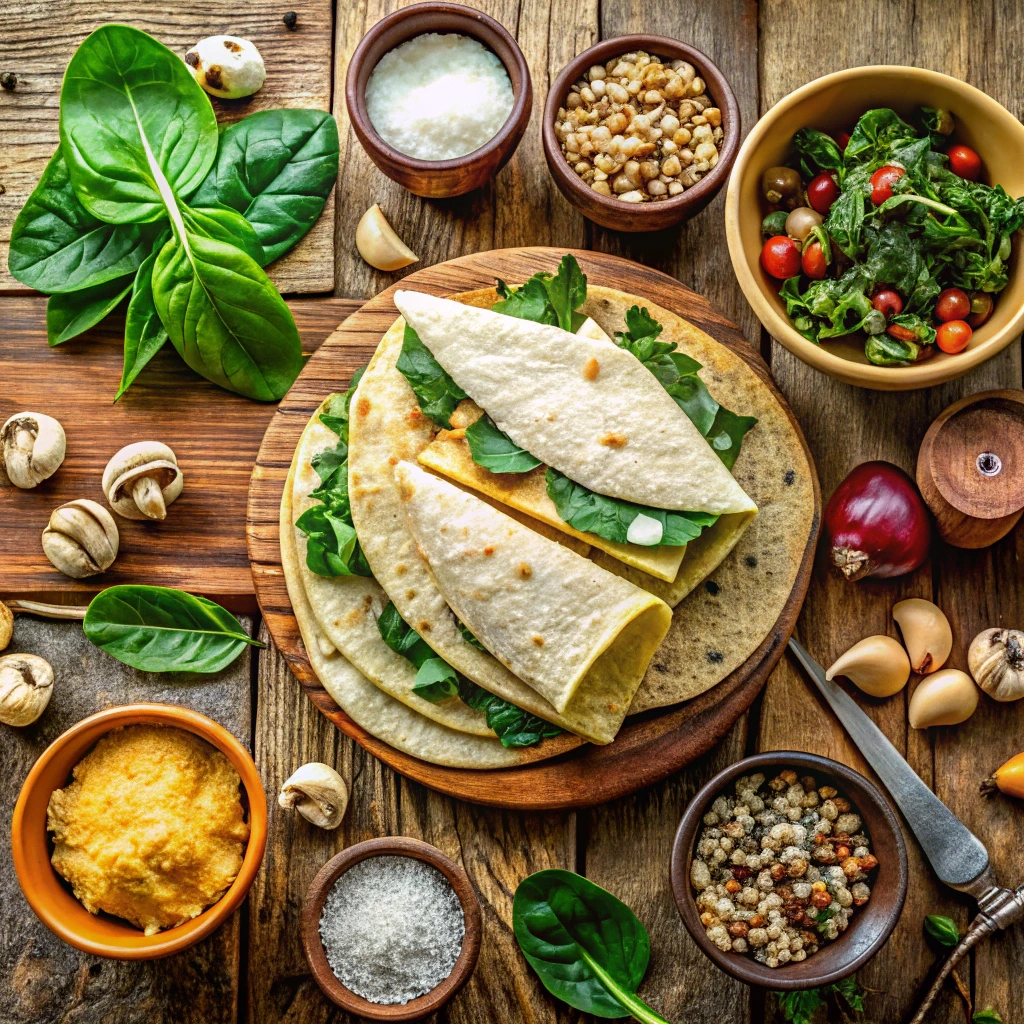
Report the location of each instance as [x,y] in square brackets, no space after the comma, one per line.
[834,103]
[50,896]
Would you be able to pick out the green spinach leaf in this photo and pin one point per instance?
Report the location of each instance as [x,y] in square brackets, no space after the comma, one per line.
[512,725]
[159,629]
[225,225]
[819,151]
[144,333]
[588,948]
[548,298]
[436,392]
[496,451]
[436,681]
[402,638]
[68,314]
[986,1016]
[874,136]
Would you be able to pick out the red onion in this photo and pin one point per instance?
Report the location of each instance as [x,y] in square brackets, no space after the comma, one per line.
[876,523]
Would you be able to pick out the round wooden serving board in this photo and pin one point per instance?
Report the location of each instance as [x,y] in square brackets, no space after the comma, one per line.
[650,746]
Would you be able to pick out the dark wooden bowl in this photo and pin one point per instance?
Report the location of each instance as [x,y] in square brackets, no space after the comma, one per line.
[313,947]
[437,179]
[613,213]
[873,922]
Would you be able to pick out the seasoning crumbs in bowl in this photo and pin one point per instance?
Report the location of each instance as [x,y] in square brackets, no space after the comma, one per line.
[640,128]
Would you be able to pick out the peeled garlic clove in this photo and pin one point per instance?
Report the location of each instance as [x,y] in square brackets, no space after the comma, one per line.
[379,245]
[26,685]
[318,793]
[996,660]
[878,665]
[33,447]
[947,697]
[590,328]
[81,538]
[926,633]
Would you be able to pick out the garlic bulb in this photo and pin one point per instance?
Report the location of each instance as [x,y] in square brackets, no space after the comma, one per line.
[946,697]
[996,660]
[926,632]
[318,793]
[26,685]
[878,665]
[6,625]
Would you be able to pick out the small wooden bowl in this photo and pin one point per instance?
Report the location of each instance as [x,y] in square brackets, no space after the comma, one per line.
[50,896]
[314,949]
[654,216]
[437,179]
[873,922]
[970,468]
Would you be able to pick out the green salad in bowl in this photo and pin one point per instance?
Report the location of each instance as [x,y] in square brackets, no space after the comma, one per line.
[888,230]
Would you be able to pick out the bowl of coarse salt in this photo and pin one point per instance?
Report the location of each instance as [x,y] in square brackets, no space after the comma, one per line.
[391,929]
[439,95]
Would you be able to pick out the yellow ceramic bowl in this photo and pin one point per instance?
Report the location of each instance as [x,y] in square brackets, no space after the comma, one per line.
[834,103]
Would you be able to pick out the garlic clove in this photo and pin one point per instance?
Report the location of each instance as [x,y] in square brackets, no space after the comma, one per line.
[590,328]
[996,660]
[378,243]
[33,447]
[6,625]
[81,538]
[227,66]
[946,697]
[926,633]
[878,665]
[318,793]
[26,685]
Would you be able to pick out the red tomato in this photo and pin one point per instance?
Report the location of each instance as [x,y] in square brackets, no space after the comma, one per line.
[901,333]
[888,302]
[953,336]
[965,162]
[813,261]
[780,257]
[842,141]
[822,192]
[981,308]
[952,304]
[882,182]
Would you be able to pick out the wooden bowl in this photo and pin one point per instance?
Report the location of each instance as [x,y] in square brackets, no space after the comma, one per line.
[437,179]
[873,922]
[50,896]
[614,213]
[313,947]
[833,103]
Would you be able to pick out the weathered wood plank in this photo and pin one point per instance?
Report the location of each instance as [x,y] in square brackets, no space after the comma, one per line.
[37,39]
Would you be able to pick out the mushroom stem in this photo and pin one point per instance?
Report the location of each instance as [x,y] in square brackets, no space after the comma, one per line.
[49,611]
[149,497]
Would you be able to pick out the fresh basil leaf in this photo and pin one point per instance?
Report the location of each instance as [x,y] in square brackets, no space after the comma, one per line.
[587,947]
[513,726]
[330,542]
[135,126]
[144,333]
[436,392]
[436,681]
[496,451]
[158,629]
[224,224]
[275,167]
[68,314]
[944,930]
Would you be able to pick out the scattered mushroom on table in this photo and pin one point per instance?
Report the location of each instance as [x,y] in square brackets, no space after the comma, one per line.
[142,479]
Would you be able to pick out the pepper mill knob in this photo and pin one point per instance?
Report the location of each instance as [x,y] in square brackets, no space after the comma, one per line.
[970,468]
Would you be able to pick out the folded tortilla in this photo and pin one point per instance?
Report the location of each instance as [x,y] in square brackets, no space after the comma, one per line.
[554,618]
[587,408]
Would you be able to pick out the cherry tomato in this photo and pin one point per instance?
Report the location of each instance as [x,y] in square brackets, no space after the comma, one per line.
[952,304]
[882,182]
[901,333]
[842,141]
[888,302]
[780,257]
[813,261]
[953,336]
[822,192]
[965,162]
[981,308]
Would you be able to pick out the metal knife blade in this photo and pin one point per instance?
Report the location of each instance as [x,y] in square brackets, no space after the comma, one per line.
[956,853]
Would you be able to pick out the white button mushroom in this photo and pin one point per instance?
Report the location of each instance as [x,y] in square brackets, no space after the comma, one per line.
[142,479]
[379,244]
[26,685]
[318,793]
[33,447]
[81,538]
[226,66]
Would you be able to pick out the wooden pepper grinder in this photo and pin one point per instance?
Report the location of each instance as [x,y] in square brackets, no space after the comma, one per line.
[970,468]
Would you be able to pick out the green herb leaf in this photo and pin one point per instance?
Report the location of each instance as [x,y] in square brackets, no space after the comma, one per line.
[159,629]
[726,435]
[820,151]
[225,225]
[548,298]
[68,314]
[801,1007]
[943,930]
[468,636]
[402,638]
[496,451]
[512,725]
[987,1016]
[436,392]
[144,333]
[567,291]
[528,302]
[436,680]
[851,992]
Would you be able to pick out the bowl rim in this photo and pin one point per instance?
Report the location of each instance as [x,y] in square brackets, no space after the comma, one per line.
[355,98]
[599,53]
[887,378]
[170,940]
[312,908]
[741,967]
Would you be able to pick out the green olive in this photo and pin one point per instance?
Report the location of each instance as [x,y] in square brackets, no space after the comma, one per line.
[774,224]
[778,183]
[801,222]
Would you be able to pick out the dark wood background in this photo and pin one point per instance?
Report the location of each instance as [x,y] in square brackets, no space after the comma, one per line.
[254,971]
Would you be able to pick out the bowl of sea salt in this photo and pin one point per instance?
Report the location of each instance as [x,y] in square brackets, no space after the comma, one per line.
[391,929]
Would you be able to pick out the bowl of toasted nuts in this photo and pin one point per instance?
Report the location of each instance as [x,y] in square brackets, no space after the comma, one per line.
[640,132]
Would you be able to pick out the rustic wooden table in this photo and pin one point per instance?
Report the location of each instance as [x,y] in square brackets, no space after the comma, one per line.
[253,970]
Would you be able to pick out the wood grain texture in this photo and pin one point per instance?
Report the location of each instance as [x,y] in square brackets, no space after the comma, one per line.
[215,434]
[38,38]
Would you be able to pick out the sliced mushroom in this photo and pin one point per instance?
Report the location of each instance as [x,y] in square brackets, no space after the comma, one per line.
[81,538]
[33,447]
[26,685]
[318,793]
[142,479]
[378,243]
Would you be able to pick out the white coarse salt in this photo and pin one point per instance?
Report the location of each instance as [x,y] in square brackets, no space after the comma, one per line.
[392,928]
[437,97]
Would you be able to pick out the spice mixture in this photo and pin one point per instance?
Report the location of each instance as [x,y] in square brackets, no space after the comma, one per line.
[640,128]
[780,868]
[392,928]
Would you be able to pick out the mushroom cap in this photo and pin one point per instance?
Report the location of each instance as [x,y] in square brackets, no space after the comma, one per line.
[226,66]
[143,458]
[27,467]
[81,538]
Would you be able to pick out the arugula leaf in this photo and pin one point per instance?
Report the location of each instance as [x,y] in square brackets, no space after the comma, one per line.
[512,725]
[547,298]
[495,450]
[436,392]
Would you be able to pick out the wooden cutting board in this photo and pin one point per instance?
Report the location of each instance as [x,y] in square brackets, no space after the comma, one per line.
[650,746]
